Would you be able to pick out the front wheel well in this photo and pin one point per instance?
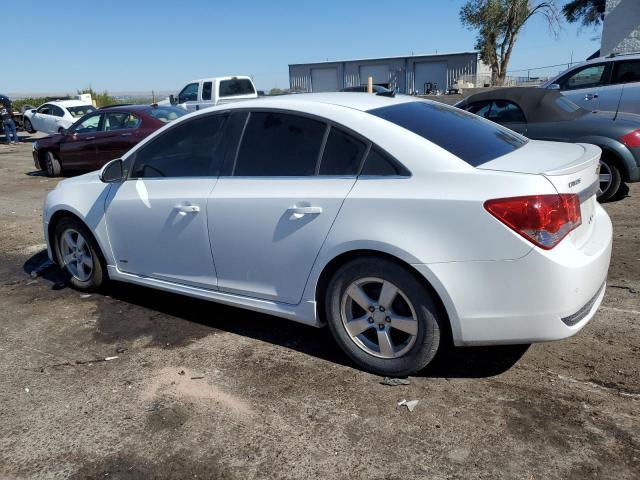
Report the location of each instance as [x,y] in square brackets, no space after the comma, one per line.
[332,267]
[55,219]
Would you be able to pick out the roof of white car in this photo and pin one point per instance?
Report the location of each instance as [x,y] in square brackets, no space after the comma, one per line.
[68,103]
[354,100]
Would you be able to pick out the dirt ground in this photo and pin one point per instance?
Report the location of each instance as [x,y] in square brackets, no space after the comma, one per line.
[199,390]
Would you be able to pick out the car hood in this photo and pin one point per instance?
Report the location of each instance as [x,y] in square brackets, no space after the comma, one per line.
[87,178]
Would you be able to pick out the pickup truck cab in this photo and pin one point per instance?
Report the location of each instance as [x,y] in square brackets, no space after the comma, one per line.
[209,92]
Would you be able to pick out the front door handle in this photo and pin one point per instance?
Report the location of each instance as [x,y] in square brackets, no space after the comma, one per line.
[306,210]
[90,138]
[590,96]
[126,134]
[184,209]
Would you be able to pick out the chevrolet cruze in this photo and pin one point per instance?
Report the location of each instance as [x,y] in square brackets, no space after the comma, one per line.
[399,223]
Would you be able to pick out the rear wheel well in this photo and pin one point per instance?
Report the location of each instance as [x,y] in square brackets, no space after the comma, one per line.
[332,267]
[614,159]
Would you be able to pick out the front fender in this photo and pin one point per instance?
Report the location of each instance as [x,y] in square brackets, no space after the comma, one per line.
[631,169]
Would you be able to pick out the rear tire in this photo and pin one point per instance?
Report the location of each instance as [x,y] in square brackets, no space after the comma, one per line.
[393,329]
[78,255]
[610,179]
[52,165]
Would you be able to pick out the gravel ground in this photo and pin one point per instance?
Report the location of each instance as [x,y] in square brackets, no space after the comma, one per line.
[199,390]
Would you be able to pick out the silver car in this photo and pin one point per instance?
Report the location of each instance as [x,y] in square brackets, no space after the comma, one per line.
[606,84]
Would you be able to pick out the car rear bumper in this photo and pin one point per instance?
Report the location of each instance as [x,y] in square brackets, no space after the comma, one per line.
[543,296]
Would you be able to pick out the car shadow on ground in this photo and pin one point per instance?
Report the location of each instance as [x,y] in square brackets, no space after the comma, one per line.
[126,312]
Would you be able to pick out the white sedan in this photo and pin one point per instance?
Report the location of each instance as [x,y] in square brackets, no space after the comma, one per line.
[400,223]
[55,117]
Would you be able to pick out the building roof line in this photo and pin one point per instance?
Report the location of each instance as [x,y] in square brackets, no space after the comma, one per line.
[396,57]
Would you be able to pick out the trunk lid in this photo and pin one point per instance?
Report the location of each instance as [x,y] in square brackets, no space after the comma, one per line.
[570,167]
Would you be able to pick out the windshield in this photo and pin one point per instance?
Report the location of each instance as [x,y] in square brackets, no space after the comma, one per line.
[167,114]
[81,110]
[467,136]
[238,86]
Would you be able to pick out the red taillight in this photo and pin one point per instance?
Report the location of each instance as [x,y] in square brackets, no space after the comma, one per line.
[632,139]
[542,219]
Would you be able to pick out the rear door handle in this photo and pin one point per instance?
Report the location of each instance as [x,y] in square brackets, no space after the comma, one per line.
[126,134]
[184,209]
[306,210]
[590,96]
[90,138]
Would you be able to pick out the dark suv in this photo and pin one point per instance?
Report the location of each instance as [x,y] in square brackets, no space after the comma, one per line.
[100,136]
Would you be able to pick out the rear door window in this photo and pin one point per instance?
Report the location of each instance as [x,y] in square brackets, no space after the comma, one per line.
[236,86]
[120,121]
[626,71]
[342,154]
[206,91]
[463,134]
[187,150]
[279,145]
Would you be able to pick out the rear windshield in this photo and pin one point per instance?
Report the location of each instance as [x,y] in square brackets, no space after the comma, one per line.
[467,136]
[80,111]
[238,86]
[167,114]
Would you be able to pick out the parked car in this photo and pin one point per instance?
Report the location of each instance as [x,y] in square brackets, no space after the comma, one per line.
[54,117]
[547,115]
[397,221]
[208,92]
[364,89]
[100,136]
[611,84]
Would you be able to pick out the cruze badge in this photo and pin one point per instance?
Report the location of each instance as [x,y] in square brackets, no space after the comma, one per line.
[574,183]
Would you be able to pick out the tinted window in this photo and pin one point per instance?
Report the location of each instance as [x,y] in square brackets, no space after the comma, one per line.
[278,144]
[81,111]
[88,125]
[586,77]
[206,91]
[479,108]
[342,154]
[188,150]
[120,121]
[503,111]
[242,86]
[45,110]
[167,114]
[57,111]
[465,135]
[189,93]
[625,72]
[377,163]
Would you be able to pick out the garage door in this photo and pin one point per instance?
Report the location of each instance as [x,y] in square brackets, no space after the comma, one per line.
[380,74]
[324,79]
[434,72]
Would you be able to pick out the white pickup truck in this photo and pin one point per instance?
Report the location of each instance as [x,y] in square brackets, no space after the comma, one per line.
[208,92]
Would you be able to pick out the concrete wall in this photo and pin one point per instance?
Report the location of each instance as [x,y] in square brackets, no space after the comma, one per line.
[621,29]
[401,71]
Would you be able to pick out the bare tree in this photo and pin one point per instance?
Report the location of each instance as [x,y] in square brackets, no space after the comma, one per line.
[498,23]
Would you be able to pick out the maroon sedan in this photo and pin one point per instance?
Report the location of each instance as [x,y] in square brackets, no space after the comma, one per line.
[100,136]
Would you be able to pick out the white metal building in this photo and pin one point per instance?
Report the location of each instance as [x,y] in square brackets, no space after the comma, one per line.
[408,74]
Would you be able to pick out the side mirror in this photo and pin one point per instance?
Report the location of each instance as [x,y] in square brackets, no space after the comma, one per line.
[34,111]
[553,86]
[172,99]
[112,172]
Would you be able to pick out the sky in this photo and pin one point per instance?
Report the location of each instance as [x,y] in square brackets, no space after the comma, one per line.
[140,45]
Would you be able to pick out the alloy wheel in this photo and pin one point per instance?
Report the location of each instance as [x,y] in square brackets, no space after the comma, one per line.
[379,318]
[76,255]
[605,177]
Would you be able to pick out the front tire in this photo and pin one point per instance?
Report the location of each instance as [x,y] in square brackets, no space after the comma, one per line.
[52,165]
[383,317]
[610,179]
[77,254]
[28,126]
